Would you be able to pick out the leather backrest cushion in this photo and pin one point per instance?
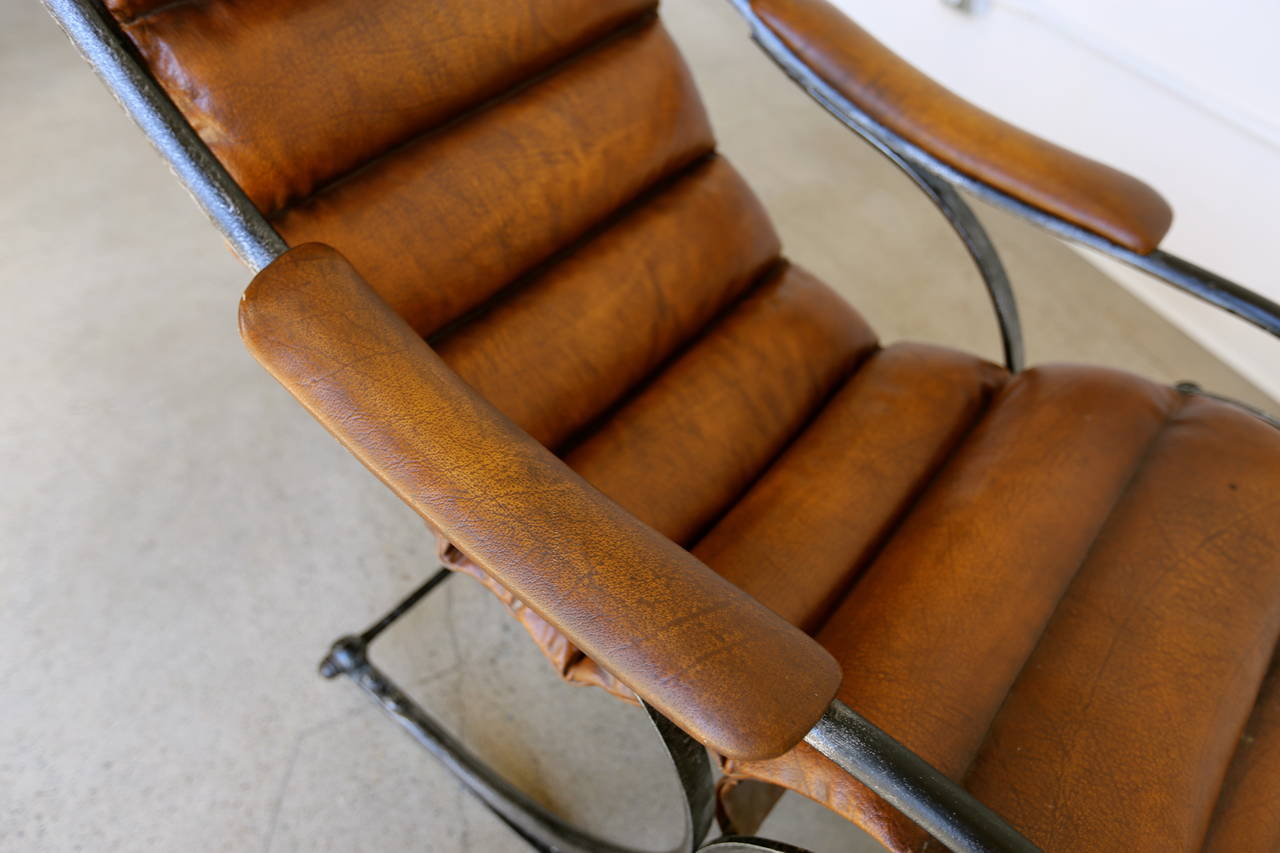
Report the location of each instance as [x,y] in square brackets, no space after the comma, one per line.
[127,10]
[569,343]
[442,223]
[290,94]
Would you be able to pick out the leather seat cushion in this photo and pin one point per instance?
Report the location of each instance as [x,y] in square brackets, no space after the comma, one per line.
[1055,587]
[1074,617]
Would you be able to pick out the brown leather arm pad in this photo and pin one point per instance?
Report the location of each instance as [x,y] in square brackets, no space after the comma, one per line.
[709,657]
[972,141]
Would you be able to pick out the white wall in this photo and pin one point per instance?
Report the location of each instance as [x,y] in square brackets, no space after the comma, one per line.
[1185,95]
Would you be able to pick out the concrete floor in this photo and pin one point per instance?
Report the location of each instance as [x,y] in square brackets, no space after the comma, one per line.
[180,542]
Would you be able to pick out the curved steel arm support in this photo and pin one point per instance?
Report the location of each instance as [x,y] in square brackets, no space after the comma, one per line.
[936,186]
[98,39]
[985,258]
[543,830]
[911,785]
[1209,286]
[1252,307]
[1212,288]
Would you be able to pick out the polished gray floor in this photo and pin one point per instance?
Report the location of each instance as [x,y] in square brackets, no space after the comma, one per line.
[180,541]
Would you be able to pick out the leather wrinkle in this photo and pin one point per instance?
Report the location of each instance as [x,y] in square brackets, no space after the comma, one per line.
[608,221]
[475,110]
[1140,464]
[904,512]
[157,10]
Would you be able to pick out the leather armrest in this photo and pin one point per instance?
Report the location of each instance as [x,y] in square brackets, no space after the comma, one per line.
[1081,191]
[710,658]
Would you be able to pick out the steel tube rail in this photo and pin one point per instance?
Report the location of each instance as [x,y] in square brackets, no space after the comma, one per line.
[913,786]
[99,41]
[544,831]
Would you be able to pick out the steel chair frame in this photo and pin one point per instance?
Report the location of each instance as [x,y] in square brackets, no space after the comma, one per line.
[866,752]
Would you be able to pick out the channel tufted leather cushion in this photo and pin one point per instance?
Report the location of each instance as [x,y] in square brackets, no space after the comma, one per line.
[1086,664]
[1062,588]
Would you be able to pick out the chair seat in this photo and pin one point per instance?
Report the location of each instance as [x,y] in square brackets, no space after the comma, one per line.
[1074,613]
[1062,588]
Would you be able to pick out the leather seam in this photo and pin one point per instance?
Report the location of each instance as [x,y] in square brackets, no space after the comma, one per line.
[611,218]
[769,272]
[1269,671]
[1140,465]
[909,505]
[157,10]
[628,26]
[789,441]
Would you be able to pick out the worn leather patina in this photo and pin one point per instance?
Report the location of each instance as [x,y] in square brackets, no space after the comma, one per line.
[558,324]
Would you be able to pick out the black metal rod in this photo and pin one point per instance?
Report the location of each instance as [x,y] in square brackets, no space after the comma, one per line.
[98,39]
[913,786]
[543,830]
[936,187]
[371,633]
[983,253]
[1221,292]
[1212,288]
